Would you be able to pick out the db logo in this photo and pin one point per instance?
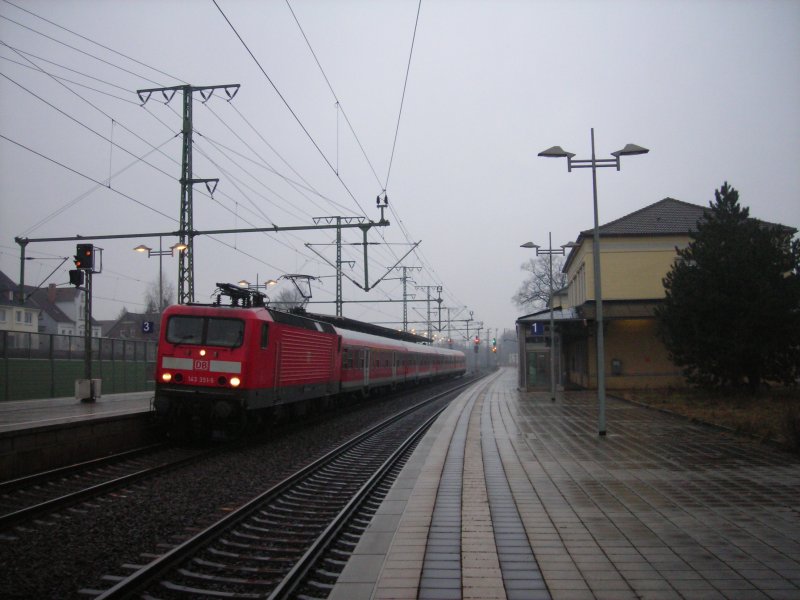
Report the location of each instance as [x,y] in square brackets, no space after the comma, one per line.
[201,365]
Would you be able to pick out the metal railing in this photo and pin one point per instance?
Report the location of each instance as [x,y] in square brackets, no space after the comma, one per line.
[42,365]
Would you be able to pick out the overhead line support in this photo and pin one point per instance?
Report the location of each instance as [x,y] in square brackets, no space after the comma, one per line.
[186,258]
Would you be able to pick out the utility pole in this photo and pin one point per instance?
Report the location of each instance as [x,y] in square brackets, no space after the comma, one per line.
[365,226]
[186,232]
[339,220]
[405,279]
[428,289]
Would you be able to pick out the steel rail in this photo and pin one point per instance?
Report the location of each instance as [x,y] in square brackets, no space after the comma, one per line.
[140,580]
[294,579]
[49,506]
[20,482]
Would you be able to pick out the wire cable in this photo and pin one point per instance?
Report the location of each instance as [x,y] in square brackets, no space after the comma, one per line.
[70,169]
[403,97]
[330,87]
[299,122]
[96,43]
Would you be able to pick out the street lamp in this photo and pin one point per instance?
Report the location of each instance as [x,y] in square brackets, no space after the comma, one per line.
[159,253]
[595,163]
[257,286]
[550,251]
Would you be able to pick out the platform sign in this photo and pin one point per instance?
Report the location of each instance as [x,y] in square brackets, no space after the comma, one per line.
[537,329]
[148,326]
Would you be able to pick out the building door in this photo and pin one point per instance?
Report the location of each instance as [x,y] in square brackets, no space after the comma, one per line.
[538,369]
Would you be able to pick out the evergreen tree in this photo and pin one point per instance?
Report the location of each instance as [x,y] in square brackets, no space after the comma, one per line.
[732,309]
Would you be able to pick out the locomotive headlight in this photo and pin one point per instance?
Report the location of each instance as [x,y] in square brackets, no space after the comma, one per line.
[166,377]
[202,352]
[235,382]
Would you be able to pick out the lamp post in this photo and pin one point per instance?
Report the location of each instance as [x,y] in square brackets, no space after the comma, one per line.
[550,251]
[257,286]
[159,253]
[593,164]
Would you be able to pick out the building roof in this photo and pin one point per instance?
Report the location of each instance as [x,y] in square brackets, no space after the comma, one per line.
[559,314]
[44,299]
[665,217]
[41,300]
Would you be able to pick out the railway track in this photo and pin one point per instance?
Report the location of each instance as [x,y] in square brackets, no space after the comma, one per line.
[37,496]
[275,545]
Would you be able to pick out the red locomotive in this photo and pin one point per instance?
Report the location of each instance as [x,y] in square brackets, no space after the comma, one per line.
[220,366]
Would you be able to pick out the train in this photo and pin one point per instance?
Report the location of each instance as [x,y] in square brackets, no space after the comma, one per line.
[223,366]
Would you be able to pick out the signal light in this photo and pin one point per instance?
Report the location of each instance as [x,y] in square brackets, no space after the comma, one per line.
[477,340]
[76,277]
[84,257]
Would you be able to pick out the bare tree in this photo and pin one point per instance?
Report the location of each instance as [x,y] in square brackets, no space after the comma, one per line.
[535,290]
[151,302]
[287,299]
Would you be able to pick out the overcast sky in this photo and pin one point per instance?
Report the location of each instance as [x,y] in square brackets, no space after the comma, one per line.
[712,88]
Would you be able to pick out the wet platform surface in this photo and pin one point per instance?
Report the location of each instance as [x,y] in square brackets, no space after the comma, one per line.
[17,415]
[513,496]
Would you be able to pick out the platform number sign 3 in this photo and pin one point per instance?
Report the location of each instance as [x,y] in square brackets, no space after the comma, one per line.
[148,326]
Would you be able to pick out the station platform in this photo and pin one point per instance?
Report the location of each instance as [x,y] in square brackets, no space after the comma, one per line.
[39,435]
[510,495]
[17,415]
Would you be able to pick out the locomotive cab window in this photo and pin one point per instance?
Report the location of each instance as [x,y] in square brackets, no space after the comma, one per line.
[209,331]
[185,330]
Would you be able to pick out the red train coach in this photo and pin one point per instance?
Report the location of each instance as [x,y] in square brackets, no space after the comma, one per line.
[218,366]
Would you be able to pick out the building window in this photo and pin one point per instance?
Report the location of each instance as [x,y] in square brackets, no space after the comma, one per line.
[2,315]
[19,316]
[28,318]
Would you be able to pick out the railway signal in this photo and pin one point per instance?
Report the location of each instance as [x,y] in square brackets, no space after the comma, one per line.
[76,277]
[84,258]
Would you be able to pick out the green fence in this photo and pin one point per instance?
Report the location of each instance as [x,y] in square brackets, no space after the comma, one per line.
[38,365]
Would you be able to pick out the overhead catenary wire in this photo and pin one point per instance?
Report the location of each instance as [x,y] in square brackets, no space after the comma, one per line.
[400,222]
[85,176]
[286,103]
[72,81]
[330,87]
[403,97]
[294,182]
[104,47]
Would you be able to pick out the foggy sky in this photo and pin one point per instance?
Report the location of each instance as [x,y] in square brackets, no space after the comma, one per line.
[711,88]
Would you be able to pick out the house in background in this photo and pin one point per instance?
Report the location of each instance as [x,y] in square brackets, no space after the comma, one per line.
[54,310]
[63,309]
[135,326]
[636,253]
[18,320]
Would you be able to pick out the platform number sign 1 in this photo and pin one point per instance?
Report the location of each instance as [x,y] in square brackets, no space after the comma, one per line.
[148,326]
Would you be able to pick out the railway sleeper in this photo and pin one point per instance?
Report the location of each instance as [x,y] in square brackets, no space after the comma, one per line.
[290,525]
[318,486]
[293,508]
[320,585]
[302,504]
[271,560]
[228,580]
[265,546]
[326,575]
[202,593]
[207,564]
[262,531]
[242,547]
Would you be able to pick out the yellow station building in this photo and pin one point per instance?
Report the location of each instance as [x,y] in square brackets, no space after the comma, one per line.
[636,252]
